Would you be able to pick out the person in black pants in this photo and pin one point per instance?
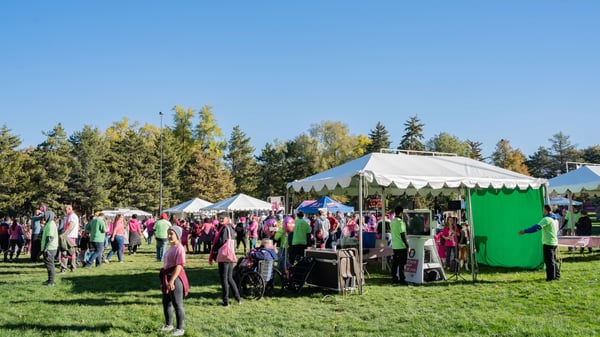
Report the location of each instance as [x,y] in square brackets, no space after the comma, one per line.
[225,268]
[399,247]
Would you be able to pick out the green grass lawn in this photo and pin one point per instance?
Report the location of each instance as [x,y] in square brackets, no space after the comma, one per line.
[123,299]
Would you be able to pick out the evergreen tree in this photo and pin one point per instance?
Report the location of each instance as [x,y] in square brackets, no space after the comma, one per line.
[208,134]
[540,164]
[182,131]
[506,157]
[241,162]
[271,163]
[379,138]
[474,150]
[591,154]
[561,151]
[89,177]
[53,157]
[13,181]
[208,178]
[413,134]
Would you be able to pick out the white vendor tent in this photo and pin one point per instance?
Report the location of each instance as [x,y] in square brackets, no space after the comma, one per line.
[239,202]
[583,179]
[125,212]
[191,206]
[399,173]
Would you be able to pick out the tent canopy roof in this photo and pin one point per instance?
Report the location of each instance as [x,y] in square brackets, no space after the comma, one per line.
[325,202]
[400,173]
[125,212]
[239,202]
[585,178]
[190,206]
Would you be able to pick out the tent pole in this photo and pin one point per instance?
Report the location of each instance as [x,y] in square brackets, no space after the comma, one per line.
[571,225]
[360,231]
[383,199]
[471,238]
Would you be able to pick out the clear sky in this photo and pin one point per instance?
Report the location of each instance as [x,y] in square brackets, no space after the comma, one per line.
[479,70]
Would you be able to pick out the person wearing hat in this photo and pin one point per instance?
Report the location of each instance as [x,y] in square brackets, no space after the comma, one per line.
[49,245]
[174,282]
[160,233]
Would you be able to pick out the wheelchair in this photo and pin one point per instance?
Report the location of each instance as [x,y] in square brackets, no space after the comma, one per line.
[257,278]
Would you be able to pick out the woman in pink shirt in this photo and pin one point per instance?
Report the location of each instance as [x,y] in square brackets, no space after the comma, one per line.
[174,283]
[207,235]
[15,232]
[253,232]
[117,238]
[135,234]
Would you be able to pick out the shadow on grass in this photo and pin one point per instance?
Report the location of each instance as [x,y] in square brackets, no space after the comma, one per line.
[101,328]
[577,257]
[135,282]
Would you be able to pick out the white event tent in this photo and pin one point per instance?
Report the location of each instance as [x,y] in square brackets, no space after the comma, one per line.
[239,202]
[399,173]
[584,179]
[191,206]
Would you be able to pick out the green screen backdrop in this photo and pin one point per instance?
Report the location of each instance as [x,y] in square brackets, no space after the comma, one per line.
[498,216]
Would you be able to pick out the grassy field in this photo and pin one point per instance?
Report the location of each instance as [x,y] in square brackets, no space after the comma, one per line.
[123,299]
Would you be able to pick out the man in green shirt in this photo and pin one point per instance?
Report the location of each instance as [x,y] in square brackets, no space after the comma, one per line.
[549,227]
[399,247]
[300,236]
[97,230]
[161,228]
[49,245]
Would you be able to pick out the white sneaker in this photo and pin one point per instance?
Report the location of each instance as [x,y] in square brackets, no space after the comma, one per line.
[166,328]
[178,332]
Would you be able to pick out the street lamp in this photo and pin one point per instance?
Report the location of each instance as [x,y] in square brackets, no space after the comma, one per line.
[161,164]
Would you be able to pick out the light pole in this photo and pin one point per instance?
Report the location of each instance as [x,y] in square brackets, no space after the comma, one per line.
[161,164]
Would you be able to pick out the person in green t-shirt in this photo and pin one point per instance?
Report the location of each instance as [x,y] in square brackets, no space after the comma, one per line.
[161,228]
[49,245]
[549,227]
[300,237]
[97,230]
[399,246]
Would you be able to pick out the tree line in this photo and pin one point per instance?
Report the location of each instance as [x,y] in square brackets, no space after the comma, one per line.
[120,166]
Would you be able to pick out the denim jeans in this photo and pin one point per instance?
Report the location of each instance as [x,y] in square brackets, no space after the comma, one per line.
[161,247]
[117,247]
[98,254]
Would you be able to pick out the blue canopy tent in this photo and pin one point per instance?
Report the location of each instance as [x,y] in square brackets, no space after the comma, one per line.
[327,203]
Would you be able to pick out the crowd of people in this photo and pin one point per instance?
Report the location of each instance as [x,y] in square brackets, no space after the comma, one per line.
[68,241]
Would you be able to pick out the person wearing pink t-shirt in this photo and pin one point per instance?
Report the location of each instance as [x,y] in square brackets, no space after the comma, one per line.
[135,234]
[174,283]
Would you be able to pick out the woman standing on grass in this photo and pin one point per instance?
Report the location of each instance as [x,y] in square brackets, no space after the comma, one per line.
[117,239]
[225,268]
[173,281]
[135,234]
[16,239]
[49,245]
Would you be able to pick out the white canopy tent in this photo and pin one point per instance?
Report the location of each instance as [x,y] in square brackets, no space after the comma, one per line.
[584,179]
[125,212]
[191,206]
[399,173]
[239,202]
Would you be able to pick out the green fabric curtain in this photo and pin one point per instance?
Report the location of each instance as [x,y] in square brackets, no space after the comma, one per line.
[498,215]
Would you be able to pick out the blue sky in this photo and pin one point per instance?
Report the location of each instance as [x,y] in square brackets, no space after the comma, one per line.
[480,70]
